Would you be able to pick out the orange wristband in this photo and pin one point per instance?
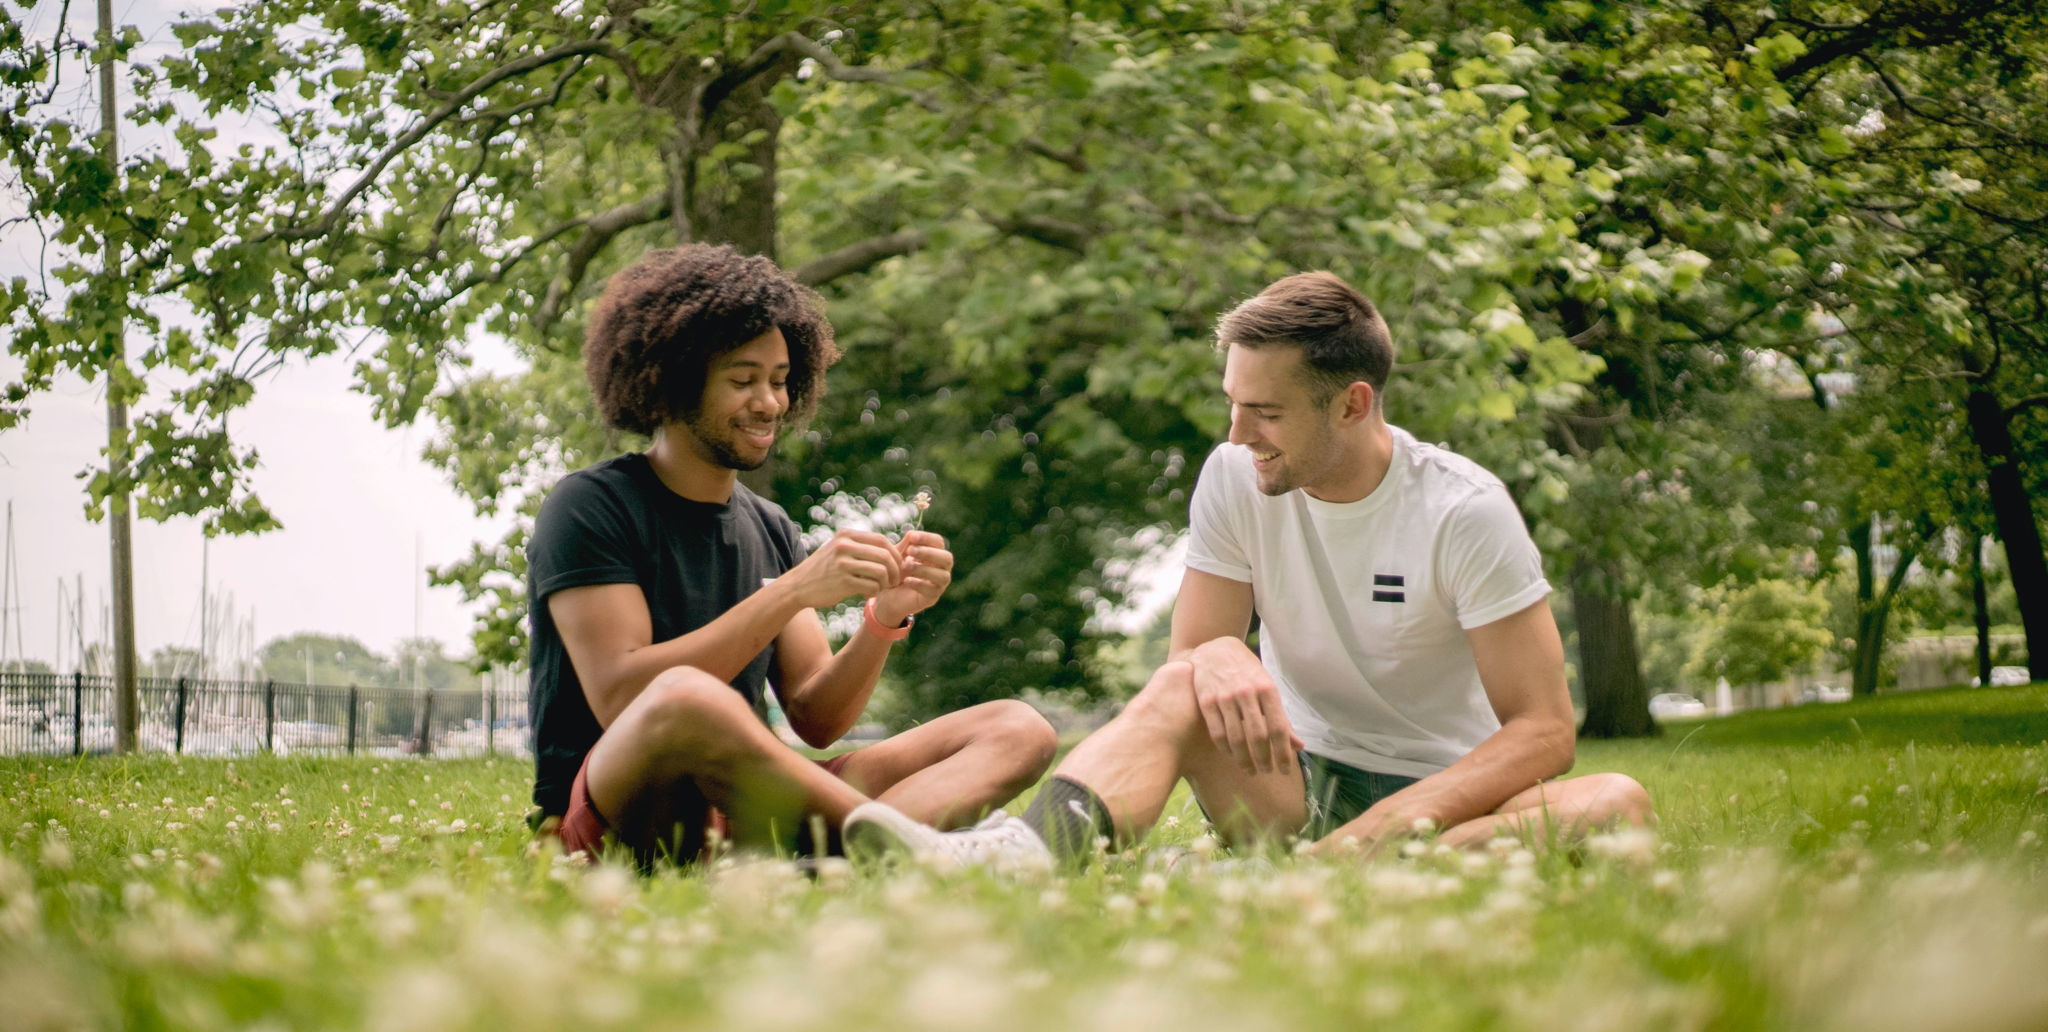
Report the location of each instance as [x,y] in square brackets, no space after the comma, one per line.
[881,630]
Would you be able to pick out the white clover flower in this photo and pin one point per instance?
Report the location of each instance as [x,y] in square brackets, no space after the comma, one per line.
[952,996]
[1153,954]
[57,853]
[845,945]
[608,889]
[1631,845]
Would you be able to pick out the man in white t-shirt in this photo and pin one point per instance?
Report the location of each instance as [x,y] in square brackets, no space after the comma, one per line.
[1409,673]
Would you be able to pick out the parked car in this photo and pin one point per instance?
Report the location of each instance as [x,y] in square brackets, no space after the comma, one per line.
[1667,705]
[2004,677]
[1823,693]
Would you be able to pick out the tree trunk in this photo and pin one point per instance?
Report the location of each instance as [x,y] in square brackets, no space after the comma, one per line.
[1869,646]
[1610,672]
[1980,603]
[1874,606]
[735,204]
[2013,511]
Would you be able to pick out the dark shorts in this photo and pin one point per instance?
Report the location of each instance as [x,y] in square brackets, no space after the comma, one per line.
[584,829]
[1337,793]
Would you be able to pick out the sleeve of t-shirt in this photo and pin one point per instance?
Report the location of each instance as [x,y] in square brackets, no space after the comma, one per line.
[791,541]
[1215,542]
[1487,561]
[579,539]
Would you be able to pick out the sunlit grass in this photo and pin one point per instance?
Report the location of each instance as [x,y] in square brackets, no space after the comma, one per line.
[1868,865]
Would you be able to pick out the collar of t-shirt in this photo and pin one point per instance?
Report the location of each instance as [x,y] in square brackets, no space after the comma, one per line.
[673,504]
[1382,494]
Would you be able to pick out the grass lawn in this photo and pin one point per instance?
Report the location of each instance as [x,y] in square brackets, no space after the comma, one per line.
[1873,865]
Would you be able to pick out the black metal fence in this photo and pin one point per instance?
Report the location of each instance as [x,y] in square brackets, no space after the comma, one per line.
[73,714]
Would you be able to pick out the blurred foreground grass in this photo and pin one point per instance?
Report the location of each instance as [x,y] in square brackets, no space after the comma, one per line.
[1873,865]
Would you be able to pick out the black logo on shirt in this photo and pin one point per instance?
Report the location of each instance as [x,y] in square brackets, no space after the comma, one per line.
[1394,580]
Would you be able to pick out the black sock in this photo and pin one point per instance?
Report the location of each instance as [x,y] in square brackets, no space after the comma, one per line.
[1069,818]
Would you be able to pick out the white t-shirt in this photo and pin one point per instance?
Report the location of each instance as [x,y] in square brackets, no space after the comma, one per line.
[1363,606]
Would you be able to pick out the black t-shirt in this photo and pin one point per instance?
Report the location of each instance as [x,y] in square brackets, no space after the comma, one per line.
[617,523]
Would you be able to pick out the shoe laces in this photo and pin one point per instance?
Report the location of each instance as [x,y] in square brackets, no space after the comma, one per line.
[998,834]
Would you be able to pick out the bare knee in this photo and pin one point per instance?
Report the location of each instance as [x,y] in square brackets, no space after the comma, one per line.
[686,708]
[1622,799]
[1167,702]
[1022,733]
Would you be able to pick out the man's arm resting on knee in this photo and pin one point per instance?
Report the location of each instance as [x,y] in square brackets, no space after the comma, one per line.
[1521,667]
[1239,702]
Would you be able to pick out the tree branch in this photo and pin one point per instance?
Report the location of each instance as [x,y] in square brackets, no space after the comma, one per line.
[858,257]
[332,216]
[2017,407]
[599,231]
[1070,158]
[796,44]
[1052,232]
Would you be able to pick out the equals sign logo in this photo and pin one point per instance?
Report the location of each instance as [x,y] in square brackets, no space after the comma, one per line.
[1382,581]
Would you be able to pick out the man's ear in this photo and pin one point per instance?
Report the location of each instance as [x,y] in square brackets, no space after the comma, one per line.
[1355,402]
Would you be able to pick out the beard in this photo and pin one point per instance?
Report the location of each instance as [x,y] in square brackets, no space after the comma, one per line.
[1303,465]
[721,446]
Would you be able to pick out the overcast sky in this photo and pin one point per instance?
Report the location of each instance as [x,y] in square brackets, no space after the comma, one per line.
[355,499]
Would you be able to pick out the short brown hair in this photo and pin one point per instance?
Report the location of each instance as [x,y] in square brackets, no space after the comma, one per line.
[663,319]
[1341,334]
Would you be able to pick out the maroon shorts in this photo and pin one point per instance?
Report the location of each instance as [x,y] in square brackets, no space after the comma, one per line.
[583,828]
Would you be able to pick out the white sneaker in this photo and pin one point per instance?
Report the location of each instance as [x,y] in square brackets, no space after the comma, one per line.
[1000,842]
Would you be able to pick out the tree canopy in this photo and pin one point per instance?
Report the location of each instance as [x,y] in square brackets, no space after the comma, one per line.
[1609,239]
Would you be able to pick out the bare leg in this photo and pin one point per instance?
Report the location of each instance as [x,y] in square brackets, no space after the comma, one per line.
[1560,811]
[952,770]
[1133,762]
[689,738]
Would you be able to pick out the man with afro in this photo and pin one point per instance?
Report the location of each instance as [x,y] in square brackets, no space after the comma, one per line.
[667,599]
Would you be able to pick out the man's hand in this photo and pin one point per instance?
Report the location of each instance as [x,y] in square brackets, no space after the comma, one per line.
[927,570]
[854,563]
[1241,706]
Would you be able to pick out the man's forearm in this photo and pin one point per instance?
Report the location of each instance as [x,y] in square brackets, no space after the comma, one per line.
[829,702]
[721,648]
[1515,758]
